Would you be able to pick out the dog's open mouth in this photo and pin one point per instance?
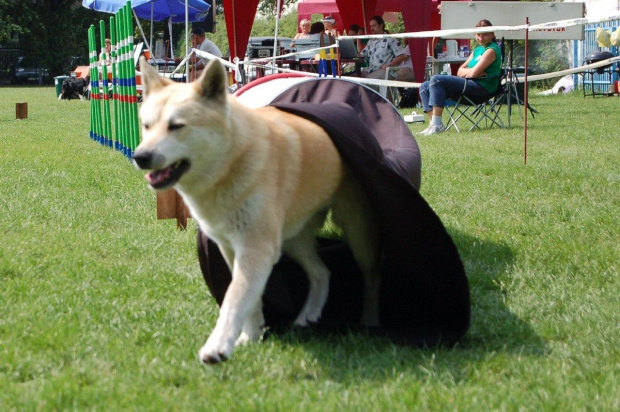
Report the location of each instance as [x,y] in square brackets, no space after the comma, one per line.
[162,178]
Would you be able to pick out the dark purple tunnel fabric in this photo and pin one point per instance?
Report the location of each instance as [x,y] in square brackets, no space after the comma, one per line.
[424,290]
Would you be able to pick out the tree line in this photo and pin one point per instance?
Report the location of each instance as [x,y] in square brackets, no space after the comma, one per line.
[53,33]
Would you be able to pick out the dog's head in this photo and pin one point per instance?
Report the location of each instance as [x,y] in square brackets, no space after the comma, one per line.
[184,126]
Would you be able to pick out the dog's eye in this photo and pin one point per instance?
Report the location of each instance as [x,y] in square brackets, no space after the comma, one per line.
[146,126]
[175,126]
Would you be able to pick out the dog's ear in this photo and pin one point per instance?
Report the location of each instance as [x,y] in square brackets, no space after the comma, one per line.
[212,82]
[151,80]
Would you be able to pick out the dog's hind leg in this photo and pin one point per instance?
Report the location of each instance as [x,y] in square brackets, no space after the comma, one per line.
[302,249]
[353,213]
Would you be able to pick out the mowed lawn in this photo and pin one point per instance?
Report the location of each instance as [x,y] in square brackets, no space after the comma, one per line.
[103,307]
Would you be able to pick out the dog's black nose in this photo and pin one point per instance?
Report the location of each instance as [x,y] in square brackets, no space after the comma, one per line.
[143,159]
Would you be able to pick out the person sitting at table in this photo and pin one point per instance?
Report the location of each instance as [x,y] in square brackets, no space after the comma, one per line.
[405,67]
[317,31]
[380,53]
[304,26]
[108,50]
[199,41]
[330,26]
[357,30]
[478,77]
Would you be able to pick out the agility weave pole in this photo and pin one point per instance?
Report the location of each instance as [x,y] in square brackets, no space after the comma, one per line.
[107,128]
[124,92]
[95,106]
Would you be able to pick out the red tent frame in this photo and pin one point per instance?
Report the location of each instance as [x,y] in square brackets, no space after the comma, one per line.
[307,8]
[418,15]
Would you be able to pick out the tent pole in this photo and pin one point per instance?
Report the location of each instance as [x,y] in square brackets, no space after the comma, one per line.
[234,32]
[151,38]
[364,17]
[148,46]
[525,91]
[170,31]
[275,37]
[187,40]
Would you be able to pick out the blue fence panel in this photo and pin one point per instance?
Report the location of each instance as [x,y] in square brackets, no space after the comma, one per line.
[598,83]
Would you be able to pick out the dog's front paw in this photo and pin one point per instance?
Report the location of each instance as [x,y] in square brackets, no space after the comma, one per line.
[216,351]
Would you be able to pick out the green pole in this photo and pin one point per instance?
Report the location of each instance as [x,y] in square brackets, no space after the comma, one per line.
[95,89]
[133,102]
[107,127]
[122,79]
[113,56]
[92,104]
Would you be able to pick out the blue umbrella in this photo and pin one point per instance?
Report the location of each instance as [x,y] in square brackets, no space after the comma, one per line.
[161,9]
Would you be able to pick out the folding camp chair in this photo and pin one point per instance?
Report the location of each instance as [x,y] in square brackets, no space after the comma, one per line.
[389,92]
[477,111]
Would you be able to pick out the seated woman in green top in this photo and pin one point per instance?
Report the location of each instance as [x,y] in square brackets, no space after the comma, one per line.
[477,78]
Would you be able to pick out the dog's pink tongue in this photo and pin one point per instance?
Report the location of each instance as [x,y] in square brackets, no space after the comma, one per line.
[157,176]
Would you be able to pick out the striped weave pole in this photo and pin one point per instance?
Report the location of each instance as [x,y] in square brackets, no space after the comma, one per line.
[113,55]
[92,105]
[120,84]
[107,124]
[94,92]
[124,95]
[98,120]
[133,101]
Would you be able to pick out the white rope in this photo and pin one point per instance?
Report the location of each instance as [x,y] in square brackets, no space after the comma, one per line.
[209,56]
[487,29]
[584,68]
[259,63]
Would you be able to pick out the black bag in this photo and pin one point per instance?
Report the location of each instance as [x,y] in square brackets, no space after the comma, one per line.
[408,98]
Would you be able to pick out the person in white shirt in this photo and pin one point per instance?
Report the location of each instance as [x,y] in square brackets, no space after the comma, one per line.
[200,42]
[380,53]
[405,67]
[108,50]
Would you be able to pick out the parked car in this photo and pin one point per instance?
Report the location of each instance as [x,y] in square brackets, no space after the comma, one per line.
[28,70]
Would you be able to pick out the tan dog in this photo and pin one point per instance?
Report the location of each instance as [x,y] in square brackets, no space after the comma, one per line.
[258,182]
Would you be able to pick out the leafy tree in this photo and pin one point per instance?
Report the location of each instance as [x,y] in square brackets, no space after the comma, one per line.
[268,7]
[50,32]
[264,25]
[15,17]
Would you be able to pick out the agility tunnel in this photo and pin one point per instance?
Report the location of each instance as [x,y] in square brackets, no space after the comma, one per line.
[424,290]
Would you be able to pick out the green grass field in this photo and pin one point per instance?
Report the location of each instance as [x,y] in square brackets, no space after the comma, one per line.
[103,307]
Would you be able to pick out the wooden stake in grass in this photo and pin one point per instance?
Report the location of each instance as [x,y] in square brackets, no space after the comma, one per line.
[21,110]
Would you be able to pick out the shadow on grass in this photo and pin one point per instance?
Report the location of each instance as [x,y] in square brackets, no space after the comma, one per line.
[495,330]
